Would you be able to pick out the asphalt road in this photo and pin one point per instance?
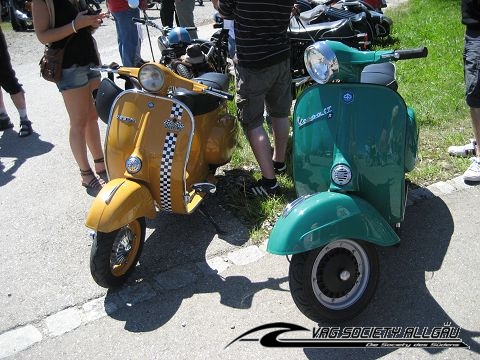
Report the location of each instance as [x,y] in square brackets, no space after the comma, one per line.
[195,291]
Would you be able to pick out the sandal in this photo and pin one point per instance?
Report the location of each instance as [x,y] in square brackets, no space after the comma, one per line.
[95,183]
[103,173]
[25,128]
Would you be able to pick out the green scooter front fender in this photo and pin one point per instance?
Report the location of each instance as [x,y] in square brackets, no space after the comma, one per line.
[313,221]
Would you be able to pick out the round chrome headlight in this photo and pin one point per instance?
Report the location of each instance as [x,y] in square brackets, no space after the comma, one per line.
[321,62]
[341,174]
[133,164]
[151,77]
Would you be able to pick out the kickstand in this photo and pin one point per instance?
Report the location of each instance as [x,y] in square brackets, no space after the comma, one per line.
[205,213]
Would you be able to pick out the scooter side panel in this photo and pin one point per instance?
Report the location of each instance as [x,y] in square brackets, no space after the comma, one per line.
[362,126]
[326,217]
[118,203]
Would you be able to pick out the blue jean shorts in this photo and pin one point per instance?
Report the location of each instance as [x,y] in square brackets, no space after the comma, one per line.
[77,76]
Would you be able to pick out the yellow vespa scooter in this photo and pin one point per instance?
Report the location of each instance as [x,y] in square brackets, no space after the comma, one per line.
[164,141]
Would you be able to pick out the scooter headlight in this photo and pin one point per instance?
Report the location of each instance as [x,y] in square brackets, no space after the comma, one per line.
[341,174]
[133,164]
[151,77]
[321,62]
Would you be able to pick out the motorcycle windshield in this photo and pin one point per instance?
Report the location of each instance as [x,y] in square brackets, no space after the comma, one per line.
[361,126]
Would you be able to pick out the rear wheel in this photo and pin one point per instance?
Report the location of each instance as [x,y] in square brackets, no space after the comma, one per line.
[336,282]
[114,255]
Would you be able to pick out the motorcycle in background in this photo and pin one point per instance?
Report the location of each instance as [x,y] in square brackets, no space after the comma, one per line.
[189,57]
[20,14]
[354,139]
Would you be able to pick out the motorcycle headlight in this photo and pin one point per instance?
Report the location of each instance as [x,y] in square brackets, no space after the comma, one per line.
[133,164]
[321,62]
[151,77]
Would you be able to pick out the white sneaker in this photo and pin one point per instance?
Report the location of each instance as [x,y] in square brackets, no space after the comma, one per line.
[473,171]
[463,150]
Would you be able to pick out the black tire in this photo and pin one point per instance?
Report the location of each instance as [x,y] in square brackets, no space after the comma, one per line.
[110,262]
[316,285]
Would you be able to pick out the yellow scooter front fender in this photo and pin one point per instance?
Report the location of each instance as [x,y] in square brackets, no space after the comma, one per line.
[118,203]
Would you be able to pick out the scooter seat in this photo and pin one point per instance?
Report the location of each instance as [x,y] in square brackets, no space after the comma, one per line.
[381,74]
[199,103]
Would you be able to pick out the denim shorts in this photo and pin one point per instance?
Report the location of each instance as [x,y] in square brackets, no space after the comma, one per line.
[269,87]
[77,76]
[471,62]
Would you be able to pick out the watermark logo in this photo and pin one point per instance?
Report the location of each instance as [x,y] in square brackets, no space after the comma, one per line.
[444,336]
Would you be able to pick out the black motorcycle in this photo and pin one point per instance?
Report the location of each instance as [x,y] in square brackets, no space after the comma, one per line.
[19,13]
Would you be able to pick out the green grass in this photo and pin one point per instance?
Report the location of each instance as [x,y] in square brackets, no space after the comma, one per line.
[433,86]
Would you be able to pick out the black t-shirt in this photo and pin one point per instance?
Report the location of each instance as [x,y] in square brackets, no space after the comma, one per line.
[81,49]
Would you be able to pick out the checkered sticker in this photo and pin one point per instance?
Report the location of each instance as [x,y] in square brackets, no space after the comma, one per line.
[166,171]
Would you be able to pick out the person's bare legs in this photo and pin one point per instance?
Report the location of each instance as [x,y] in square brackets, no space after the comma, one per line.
[83,121]
[260,144]
[281,130]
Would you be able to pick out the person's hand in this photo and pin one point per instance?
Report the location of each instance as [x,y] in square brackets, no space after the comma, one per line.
[83,20]
[215,4]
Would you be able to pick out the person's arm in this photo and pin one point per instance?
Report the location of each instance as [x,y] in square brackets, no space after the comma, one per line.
[215,4]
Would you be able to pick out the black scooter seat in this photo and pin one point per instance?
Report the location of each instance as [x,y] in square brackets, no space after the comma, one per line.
[199,103]
[381,74]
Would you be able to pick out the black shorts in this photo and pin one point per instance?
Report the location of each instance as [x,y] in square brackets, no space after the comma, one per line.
[471,62]
[8,80]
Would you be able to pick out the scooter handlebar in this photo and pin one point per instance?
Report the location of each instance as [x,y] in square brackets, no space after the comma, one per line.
[411,53]
[218,93]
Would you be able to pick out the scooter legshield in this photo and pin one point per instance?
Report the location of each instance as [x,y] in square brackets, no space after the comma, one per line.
[159,131]
[118,203]
[325,217]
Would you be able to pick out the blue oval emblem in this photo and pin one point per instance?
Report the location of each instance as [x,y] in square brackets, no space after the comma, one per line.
[150,105]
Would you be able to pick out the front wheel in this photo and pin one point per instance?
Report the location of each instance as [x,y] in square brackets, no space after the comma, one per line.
[114,255]
[336,282]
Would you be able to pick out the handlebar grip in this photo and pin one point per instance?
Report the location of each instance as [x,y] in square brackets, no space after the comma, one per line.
[219,93]
[411,53]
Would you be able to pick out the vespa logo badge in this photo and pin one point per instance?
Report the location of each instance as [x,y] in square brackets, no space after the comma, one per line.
[126,119]
[348,97]
[328,112]
[150,105]
[173,125]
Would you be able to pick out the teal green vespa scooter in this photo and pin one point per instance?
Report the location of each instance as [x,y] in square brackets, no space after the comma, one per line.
[353,141]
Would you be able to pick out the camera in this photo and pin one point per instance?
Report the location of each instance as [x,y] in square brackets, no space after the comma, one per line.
[92,6]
